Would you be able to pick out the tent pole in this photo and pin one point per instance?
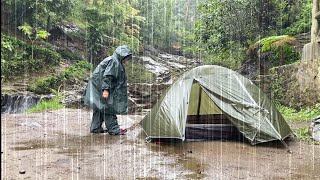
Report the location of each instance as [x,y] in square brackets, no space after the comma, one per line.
[198,112]
[285,144]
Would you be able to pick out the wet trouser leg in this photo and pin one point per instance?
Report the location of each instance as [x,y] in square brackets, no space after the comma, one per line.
[111,123]
[97,119]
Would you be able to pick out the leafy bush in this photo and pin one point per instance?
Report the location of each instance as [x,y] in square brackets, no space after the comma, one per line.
[131,41]
[77,70]
[12,48]
[15,46]
[293,115]
[302,134]
[66,54]
[50,83]
[18,68]
[231,57]
[269,42]
[303,22]
[52,104]
[51,56]
[192,52]
[282,51]
[45,85]
[16,57]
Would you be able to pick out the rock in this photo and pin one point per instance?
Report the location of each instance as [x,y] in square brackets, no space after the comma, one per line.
[30,124]
[157,68]
[144,96]
[314,129]
[150,50]
[73,99]
[22,171]
[296,85]
[133,106]
[256,65]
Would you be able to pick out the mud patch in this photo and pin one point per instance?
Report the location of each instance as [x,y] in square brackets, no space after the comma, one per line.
[69,144]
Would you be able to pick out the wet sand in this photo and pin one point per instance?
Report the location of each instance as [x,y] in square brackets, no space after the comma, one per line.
[58,145]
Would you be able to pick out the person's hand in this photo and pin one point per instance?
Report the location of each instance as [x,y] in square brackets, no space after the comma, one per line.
[105,94]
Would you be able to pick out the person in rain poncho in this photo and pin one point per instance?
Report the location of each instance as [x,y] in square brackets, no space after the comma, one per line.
[106,92]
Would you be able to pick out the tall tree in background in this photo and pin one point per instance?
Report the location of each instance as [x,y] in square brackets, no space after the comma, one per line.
[168,22]
[43,14]
[110,23]
[245,21]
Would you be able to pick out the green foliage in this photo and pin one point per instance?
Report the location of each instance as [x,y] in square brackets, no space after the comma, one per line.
[303,134]
[15,49]
[192,51]
[299,116]
[168,23]
[32,33]
[110,23]
[18,68]
[66,54]
[245,21]
[45,85]
[138,74]
[276,86]
[26,29]
[49,55]
[301,22]
[96,31]
[12,48]
[281,47]
[76,71]
[46,105]
[43,14]
[231,57]
[295,116]
[133,42]
[224,21]
[268,43]
[16,57]
[52,83]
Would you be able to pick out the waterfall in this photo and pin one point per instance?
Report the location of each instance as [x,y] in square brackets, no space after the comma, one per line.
[18,103]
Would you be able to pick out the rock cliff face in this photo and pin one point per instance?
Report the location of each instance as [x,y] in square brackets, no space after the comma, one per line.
[294,85]
[166,66]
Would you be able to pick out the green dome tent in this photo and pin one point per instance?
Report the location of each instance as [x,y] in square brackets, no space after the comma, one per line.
[210,95]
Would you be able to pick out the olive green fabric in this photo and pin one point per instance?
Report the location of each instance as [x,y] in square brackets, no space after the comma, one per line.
[109,74]
[200,103]
[247,107]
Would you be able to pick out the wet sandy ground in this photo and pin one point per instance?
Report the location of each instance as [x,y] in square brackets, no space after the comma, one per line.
[58,145]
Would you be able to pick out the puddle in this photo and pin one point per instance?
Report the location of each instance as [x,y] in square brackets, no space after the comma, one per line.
[70,144]
[182,151]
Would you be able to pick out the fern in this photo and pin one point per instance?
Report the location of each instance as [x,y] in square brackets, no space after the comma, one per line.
[273,41]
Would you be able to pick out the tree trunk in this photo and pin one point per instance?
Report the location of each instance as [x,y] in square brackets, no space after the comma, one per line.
[48,23]
[315,24]
[314,29]
[281,56]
